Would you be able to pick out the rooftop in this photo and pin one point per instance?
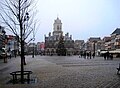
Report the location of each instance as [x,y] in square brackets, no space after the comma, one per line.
[117,31]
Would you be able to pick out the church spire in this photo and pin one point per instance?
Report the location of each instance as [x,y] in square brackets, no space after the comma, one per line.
[57,16]
[57,27]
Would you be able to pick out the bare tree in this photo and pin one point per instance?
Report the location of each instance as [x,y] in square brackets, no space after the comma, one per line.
[18,16]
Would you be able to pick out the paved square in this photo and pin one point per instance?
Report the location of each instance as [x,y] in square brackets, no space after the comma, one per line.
[64,72]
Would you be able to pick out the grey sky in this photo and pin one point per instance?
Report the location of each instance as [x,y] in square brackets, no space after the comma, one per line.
[81,18]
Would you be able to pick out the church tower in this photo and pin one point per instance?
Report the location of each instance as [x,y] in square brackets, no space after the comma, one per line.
[57,27]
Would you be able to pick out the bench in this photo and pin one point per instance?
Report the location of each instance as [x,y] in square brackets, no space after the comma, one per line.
[15,75]
[118,69]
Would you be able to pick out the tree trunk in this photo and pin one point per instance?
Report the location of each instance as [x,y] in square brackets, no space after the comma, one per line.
[22,62]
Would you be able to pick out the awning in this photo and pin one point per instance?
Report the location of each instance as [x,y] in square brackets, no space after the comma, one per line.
[114,51]
[102,52]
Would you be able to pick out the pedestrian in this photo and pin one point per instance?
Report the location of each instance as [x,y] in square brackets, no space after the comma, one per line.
[81,54]
[87,55]
[15,53]
[111,57]
[84,55]
[104,55]
[107,55]
[90,54]
[93,55]
[10,55]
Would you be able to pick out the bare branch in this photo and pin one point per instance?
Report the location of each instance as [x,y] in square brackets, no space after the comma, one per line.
[16,14]
[13,30]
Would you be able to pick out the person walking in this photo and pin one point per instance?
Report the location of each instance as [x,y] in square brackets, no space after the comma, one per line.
[84,55]
[87,55]
[111,56]
[93,55]
[104,55]
[90,54]
[107,55]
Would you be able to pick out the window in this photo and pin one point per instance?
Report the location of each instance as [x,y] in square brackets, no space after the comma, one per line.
[58,27]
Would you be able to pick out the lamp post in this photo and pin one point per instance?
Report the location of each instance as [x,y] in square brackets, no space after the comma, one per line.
[94,42]
[33,46]
[2,43]
[94,47]
[33,42]
[26,18]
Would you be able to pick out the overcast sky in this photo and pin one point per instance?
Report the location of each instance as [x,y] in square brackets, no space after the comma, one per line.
[81,18]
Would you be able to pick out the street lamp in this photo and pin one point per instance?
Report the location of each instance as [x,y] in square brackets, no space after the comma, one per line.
[33,41]
[33,46]
[94,42]
[2,43]
[26,18]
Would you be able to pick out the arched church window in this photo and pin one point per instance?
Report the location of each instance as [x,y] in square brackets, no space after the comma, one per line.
[58,27]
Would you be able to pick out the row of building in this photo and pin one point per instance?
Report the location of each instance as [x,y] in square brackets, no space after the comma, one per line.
[8,43]
[94,44]
[73,47]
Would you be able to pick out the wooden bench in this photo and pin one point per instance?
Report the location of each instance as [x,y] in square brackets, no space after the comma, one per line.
[118,69]
[18,73]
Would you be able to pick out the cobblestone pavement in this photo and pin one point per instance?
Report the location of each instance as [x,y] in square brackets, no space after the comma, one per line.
[64,72]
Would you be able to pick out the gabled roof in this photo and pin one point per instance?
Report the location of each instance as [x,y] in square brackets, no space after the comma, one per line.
[117,31]
[94,39]
[107,38]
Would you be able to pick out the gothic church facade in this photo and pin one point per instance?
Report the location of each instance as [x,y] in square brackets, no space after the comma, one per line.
[51,41]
